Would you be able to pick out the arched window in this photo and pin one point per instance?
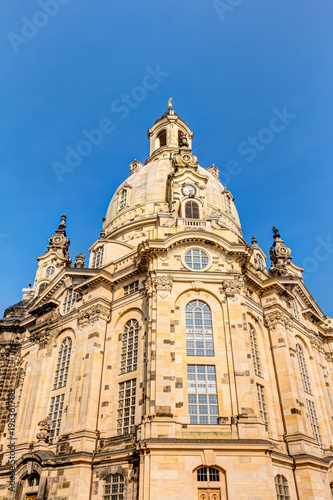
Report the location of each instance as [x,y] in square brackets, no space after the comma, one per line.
[199,329]
[114,487]
[32,480]
[42,287]
[69,301]
[161,139]
[129,352]
[208,474]
[98,258]
[303,369]
[191,210]
[50,270]
[61,374]
[282,488]
[180,133]
[123,199]
[255,352]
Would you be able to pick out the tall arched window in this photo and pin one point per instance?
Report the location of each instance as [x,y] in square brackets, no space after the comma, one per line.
[161,139]
[192,210]
[69,301]
[113,487]
[199,329]
[303,369]
[98,257]
[255,352]
[129,352]
[282,488]
[123,199]
[61,374]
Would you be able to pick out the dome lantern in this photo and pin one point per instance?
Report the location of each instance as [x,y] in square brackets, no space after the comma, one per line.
[169,133]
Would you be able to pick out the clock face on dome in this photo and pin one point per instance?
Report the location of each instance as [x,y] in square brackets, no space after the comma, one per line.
[57,240]
[189,190]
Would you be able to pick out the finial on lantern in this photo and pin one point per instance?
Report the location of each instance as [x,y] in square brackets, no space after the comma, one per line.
[170,103]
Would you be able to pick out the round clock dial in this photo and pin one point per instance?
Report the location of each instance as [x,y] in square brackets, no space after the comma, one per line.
[189,190]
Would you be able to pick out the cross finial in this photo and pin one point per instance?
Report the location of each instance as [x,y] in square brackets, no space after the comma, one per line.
[170,103]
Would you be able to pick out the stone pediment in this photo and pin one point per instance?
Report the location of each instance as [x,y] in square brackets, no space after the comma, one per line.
[51,291]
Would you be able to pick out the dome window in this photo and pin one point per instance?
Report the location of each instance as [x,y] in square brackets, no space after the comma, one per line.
[50,270]
[162,139]
[191,210]
[123,199]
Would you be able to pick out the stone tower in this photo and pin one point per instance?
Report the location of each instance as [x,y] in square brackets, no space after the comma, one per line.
[176,364]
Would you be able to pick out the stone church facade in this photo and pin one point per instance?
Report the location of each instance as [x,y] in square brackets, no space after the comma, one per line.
[175,365]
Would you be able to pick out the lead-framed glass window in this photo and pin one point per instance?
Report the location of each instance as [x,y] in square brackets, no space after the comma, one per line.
[303,369]
[61,373]
[196,259]
[129,351]
[98,257]
[312,415]
[281,487]
[202,394]
[262,404]
[126,407]
[55,413]
[255,351]
[113,487]
[199,329]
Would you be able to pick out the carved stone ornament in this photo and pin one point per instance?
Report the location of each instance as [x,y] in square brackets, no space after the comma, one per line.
[163,283]
[233,287]
[79,260]
[92,315]
[163,286]
[186,159]
[44,430]
[278,318]
[317,343]
[43,338]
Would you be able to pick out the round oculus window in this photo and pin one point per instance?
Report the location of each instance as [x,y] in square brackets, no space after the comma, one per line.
[196,259]
[50,270]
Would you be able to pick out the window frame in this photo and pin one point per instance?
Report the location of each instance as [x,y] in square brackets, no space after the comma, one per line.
[303,370]
[65,308]
[98,257]
[108,482]
[63,371]
[127,392]
[130,347]
[255,351]
[280,481]
[194,205]
[195,378]
[201,251]
[204,337]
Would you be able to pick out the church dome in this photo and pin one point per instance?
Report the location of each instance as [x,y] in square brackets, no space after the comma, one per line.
[154,187]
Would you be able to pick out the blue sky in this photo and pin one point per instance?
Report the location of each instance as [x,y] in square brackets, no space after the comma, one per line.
[230,69]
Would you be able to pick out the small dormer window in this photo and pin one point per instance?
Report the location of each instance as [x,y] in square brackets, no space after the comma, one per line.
[98,257]
[50,270]
[123,199]
[191,210]
[161,139]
